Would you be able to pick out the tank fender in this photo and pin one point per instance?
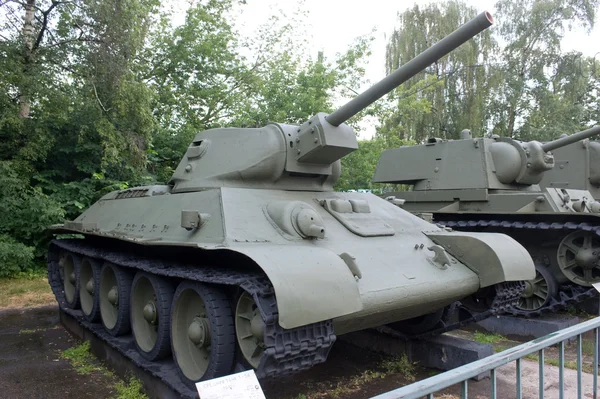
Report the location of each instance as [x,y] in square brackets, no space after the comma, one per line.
[494,257]
[305,279]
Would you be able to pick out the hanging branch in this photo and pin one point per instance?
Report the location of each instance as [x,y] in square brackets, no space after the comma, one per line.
[98,99]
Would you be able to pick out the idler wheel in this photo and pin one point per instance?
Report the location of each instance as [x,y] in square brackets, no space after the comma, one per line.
[249,329]
[69,264]
[578,257]
[538,291]
[419,325]
[115,284]
[151,299]
[89,284]
[202,332]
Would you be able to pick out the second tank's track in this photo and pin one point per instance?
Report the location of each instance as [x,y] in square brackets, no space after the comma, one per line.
[287,350]
[506,297]
[569,294]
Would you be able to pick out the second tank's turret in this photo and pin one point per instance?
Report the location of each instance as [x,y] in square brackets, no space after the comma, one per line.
[479,163]
[492,184]
[577,166]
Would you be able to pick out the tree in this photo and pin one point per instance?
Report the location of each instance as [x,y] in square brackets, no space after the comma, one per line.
[456,89]
[533,30]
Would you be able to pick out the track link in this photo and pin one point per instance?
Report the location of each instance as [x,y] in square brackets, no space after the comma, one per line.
[569,294]
[287,350]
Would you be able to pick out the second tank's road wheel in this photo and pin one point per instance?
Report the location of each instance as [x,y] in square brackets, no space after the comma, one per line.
[69,264]
[151,298]
[115,284]
[89,283]
[419,325]
[202,332]
[579,256]
[250,329]
[538,291]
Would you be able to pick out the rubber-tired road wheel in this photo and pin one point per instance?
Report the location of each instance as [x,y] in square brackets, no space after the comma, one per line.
[250,329]
[89,284]
[115,284]
[418,325]
[538,291]
[202,332]
[69,263]
[151,298]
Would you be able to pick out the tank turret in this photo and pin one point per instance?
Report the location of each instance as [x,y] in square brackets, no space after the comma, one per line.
[304,157]
[500,162]
[491,184]
[248,259]
[577,166]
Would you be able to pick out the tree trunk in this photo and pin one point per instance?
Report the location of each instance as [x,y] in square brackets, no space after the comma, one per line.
[28,38]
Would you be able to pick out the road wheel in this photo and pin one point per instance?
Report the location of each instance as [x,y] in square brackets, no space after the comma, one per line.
[202,332]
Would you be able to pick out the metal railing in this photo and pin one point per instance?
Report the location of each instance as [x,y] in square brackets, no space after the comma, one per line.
[461,375]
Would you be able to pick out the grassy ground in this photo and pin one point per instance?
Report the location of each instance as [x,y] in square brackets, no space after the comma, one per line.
[85,363]
[28,291]
[32,290]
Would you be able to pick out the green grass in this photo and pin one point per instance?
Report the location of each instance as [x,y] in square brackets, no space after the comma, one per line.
[488,338]
[587,347]
[28,290]
[82,359]
[34,330]
[131,390]
[85,363]
[400,365]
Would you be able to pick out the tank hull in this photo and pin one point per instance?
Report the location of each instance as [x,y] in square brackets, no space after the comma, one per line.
[373,263]
[305,273]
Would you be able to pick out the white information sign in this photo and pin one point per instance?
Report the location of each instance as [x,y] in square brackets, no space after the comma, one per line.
[235,386]
[596,286]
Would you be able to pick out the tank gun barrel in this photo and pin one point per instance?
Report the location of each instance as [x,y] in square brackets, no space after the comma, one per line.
[553,145]
[411,68]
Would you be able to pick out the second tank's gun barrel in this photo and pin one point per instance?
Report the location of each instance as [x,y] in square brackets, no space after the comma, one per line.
[411,68]
[563,141]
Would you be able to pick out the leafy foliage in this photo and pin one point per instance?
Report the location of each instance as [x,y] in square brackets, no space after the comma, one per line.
[524,87]
[98,96]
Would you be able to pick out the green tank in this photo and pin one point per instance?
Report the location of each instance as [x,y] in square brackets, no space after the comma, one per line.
[577,166]
[247,258]
[492,185]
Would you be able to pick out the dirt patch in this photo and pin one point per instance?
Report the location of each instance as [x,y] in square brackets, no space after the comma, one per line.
[25,293]
[31,343]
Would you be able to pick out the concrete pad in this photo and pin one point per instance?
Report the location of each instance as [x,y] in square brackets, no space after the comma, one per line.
[443,352]
[517,327]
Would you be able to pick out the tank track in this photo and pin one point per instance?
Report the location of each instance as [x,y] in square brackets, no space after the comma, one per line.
[569,294]
[507,296]
[287,351]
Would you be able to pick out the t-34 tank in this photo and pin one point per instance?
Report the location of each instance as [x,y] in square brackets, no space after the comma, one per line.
[577,166]
[249,259]
[491,184]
